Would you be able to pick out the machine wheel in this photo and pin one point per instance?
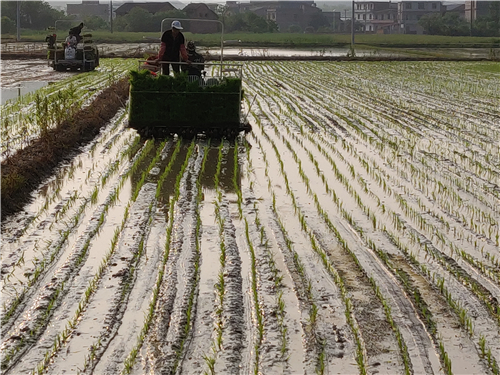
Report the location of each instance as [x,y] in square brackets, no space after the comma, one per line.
[89,66]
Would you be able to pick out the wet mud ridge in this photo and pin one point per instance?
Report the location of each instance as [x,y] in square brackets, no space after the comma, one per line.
[355,231]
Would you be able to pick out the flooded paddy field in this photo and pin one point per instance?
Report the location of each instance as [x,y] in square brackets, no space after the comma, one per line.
[354,230]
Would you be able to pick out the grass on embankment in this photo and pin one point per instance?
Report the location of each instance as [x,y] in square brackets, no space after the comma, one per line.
[27,168]
[284,39]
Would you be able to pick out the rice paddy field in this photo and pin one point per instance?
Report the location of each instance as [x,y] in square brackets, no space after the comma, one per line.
[354,230]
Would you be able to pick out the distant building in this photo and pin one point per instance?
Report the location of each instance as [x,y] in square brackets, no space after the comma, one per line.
[204,13]
[410,12]
[377,17]
[150,7]
[285,13]
[88,8]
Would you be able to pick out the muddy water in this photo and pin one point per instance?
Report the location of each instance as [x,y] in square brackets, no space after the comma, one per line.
[354,230]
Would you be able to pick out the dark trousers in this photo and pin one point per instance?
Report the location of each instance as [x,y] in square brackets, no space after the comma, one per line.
[165,68]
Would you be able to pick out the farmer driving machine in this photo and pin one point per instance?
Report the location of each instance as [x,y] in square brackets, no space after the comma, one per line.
[187,104]
[76,52]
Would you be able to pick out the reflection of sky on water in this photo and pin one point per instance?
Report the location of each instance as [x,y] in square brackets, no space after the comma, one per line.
[258,52]
[23,88]
[246,51]
[231,50]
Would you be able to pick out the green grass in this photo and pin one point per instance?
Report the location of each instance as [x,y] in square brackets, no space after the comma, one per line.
[484,67]
[282,39]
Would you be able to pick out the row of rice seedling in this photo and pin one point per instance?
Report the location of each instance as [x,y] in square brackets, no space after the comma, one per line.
[490,215]
[35,113]
[271,282]
[402,202]
[43,257]
[306,290]
[83,244]
[461,134]
[313,310]
[102,340]
[400,339]
[266,281]
[164,277]
[45,205]
[224,327]
[65,274]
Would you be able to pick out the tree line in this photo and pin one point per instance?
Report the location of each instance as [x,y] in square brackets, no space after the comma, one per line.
[39,15]
[451,24]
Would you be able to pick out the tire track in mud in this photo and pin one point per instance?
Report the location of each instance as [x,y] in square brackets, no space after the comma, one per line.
[171,325]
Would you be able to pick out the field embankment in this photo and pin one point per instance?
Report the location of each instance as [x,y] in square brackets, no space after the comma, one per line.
[27,168]
[291,39]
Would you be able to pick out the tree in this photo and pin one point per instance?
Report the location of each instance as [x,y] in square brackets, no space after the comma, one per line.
[172,15]
[490,24]
[138,19]
[35,15]
[255,24]
[272,26]
[450,24]
[8,26]
[95,23]
[318,20]
[431,23]
[249,22]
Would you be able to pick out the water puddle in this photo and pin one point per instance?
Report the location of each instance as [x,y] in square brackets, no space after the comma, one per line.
[14,92]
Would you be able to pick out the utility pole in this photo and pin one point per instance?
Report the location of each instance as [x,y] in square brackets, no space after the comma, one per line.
[471,16]
[18,23]
[333,21]
[111,16]
[352,27]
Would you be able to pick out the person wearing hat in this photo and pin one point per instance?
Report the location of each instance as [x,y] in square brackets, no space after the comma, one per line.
[196,58]
[172,48]
[76,31]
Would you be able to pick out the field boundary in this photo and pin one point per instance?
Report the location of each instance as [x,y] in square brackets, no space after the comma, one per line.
[37,55]
[27,168]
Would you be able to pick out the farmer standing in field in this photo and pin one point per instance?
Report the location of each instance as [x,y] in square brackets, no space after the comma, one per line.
[172,48]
